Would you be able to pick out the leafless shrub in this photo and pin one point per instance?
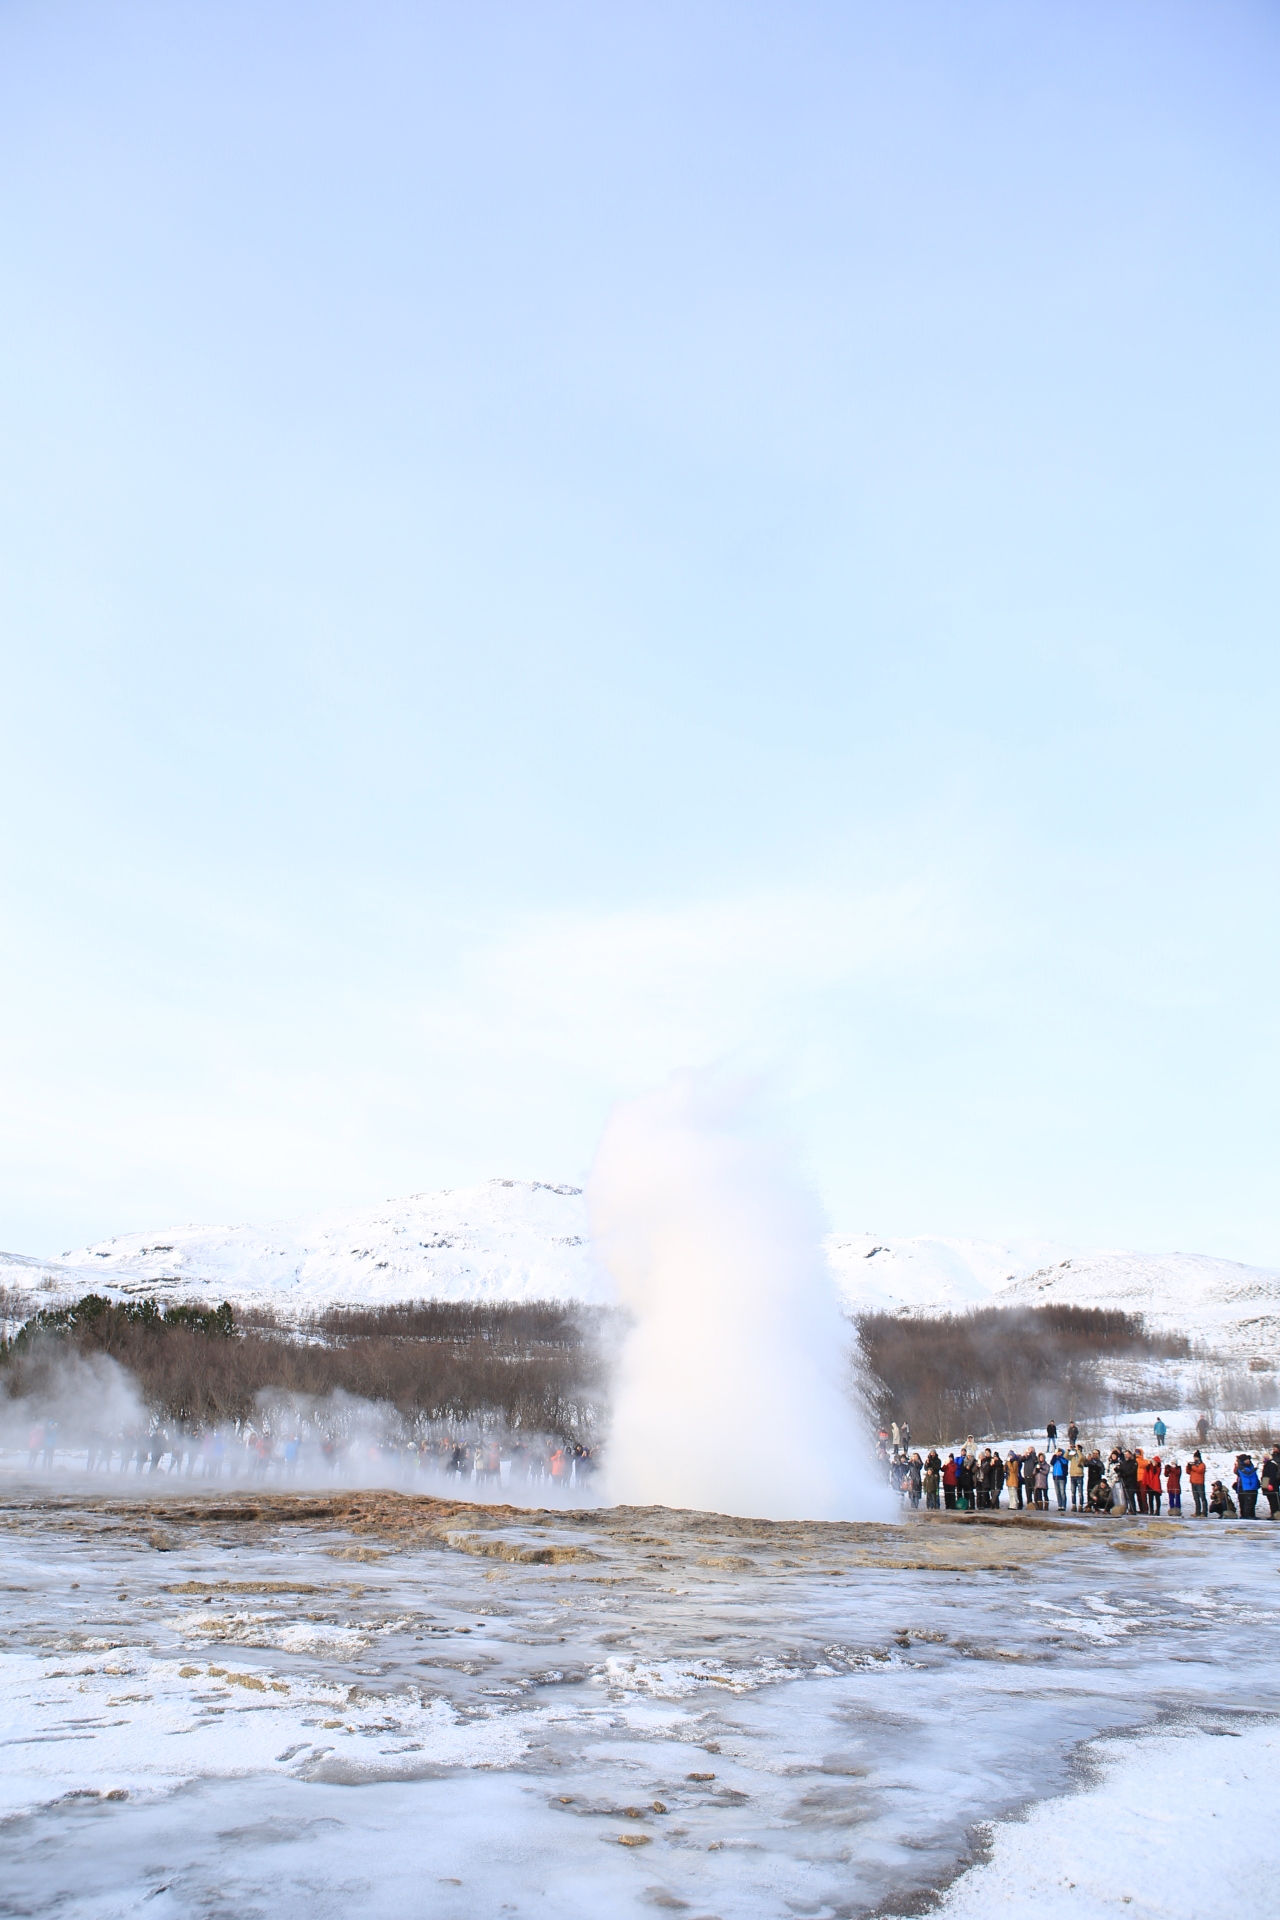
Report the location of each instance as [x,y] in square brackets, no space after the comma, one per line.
[1233,1390]
[16,1305]
[539,1368]
[1239,1434]
[1002,1369]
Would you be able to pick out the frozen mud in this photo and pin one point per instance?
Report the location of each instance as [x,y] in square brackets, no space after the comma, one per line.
[281,1705]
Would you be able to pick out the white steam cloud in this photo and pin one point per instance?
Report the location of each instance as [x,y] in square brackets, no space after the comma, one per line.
[82,1396]
[86,1417]
[733,1392]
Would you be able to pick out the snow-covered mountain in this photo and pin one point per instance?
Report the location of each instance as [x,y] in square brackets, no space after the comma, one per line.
[931,1274]
[528,1239]
[1219,1303]
[504,1240]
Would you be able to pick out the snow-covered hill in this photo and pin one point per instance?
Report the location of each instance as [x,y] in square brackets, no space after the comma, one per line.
[931,1274]
[1219,1303]
[527,1239]
[504,1240]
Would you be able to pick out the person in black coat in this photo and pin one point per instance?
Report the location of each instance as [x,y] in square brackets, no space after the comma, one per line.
[1029,1477]
[1127,1475]
[1269,1475]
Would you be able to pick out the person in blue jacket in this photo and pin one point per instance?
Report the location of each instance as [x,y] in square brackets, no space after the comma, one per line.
[1058,1468]
[1246,1484]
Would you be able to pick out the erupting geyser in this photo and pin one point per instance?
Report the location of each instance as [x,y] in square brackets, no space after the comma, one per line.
[733,1390]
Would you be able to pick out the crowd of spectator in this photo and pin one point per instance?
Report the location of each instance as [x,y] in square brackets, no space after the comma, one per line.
[1074,1478]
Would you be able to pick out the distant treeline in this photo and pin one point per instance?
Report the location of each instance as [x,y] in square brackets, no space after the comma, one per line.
[1000,1369]
[536,1366]
[523,1326]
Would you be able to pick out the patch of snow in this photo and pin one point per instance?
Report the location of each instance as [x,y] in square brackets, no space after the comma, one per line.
[1177,1824]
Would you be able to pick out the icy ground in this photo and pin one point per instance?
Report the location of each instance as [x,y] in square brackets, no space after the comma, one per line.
[313,1704]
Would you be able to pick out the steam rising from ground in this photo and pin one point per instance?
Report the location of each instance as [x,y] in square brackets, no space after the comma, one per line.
[733,1391]
[81,1394]
[86,1417]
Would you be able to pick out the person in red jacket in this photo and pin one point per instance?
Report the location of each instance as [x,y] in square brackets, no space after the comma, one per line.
[1155,1486]
[1173,1481]
[1195,1474]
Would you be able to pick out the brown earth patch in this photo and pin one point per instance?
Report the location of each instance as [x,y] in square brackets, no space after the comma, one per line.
[376,1521]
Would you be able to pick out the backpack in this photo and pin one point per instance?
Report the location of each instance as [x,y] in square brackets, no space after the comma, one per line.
[1248,1480]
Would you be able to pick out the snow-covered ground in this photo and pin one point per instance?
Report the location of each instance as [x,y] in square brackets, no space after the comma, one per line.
[525,1239]
[220,1701]
[1175,1824]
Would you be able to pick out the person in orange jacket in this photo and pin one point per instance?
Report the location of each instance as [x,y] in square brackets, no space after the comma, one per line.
[1173,1481]
[1195,1474]
[1142,1481]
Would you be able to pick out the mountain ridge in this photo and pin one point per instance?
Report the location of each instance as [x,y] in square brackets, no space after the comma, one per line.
[524,1239]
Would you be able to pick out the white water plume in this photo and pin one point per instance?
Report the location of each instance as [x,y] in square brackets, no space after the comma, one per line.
[733,1391]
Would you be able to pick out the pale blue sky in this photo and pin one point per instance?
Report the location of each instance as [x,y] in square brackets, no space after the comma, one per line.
[541,544]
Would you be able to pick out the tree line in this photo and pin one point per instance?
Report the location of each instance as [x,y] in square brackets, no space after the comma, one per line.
[543,1366]
[533,1366]
[1001,1369]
